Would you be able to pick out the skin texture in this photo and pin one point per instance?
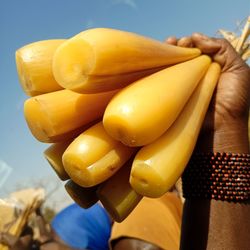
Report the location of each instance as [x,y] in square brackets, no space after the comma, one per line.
[216,224]
[230,104]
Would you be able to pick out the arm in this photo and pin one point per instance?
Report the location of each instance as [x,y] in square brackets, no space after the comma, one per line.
[212,224]
[218,224]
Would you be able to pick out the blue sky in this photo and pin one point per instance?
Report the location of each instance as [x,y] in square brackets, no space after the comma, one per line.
[26,21]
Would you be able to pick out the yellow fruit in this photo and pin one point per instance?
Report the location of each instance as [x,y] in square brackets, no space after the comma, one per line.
[107,54]
[117,196]
[94,156]
[55,116]
[144,110]
[53,155]
[34,67]
[157,166]
[97,84]
[84,197]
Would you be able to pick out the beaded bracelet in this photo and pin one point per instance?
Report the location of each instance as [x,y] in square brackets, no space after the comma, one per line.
[219,176]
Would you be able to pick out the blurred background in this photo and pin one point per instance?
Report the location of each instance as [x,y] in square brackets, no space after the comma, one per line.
[25,21]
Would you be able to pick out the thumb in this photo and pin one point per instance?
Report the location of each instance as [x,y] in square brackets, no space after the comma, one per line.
[206,44]
[219,49]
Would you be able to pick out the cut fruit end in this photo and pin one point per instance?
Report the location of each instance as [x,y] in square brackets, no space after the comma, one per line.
[37,120]
[61,174]
[120,130]
[146,181]
[80,177]
[107,204]
[73,62]
[77,171]
[22,74]
[196,51]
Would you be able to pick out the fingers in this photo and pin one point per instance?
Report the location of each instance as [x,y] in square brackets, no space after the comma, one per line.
[205,44]
[171,40]
[185,42]
[219,49]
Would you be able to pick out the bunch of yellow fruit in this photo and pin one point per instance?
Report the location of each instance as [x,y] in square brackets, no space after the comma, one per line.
[123,112]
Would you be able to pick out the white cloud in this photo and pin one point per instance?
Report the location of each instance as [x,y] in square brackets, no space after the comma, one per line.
[130,3]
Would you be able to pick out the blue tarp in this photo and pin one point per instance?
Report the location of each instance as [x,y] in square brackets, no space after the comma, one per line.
[83,228]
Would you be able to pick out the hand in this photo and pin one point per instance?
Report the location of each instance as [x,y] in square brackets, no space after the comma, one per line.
[226,122]
[225,129]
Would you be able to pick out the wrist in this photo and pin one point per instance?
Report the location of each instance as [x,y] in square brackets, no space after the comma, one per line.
[230,136]
[234,140]
[218,176]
